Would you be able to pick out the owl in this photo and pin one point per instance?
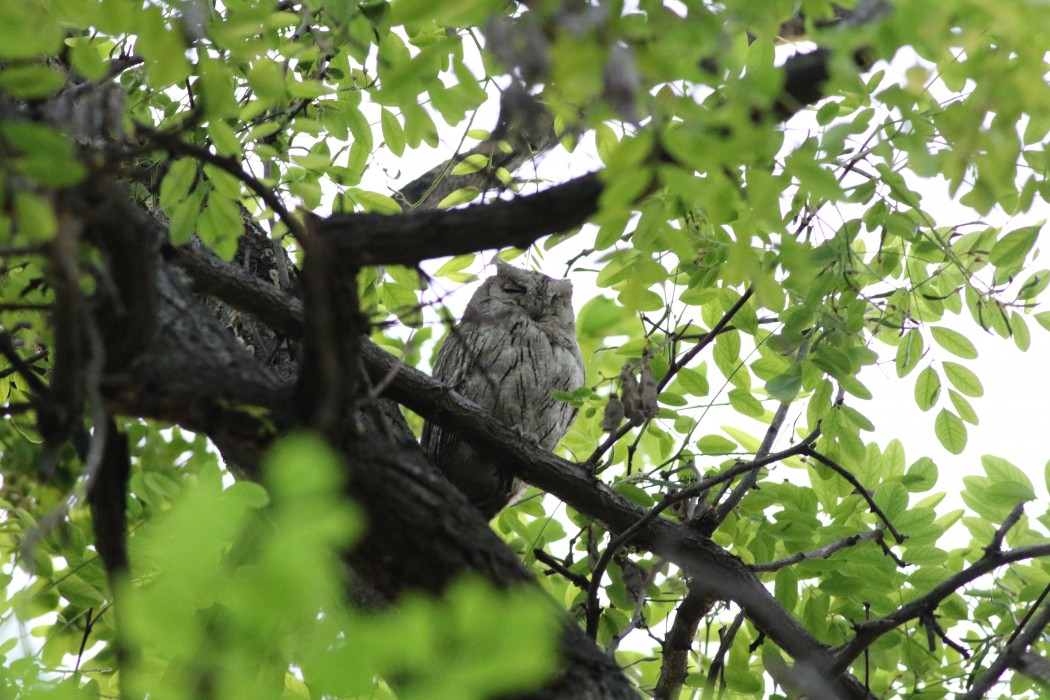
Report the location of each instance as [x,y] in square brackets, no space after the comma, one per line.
[515,346]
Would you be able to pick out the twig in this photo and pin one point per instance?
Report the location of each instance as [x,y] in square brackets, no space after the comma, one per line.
[820,553]
[28,362]
[868,632]
[863,492]
[996,545]
[618,542]
[36,384]
[24,306]
[692,352]
[675,367]
[176,146]
[935,631]
[749,480]
[718,662]
[1010,655]
[557,567]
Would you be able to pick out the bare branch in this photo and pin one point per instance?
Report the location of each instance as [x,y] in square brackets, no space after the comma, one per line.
[718,662]
[819,553]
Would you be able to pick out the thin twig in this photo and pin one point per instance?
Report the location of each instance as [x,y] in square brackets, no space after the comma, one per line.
[618,542]
[176,146]
[863,492]
[820,553]
[728,635]
[1009,655]
[996,544]
[557,567]
[675,367]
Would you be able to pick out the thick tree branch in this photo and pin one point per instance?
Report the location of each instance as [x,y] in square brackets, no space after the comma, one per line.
[406,239]
[717,574]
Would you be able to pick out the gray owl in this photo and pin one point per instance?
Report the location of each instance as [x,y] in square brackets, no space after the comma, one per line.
[515,345]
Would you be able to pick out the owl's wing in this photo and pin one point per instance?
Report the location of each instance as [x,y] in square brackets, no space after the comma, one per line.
[456,359]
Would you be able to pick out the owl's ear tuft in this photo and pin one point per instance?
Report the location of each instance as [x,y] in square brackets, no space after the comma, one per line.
[501,264]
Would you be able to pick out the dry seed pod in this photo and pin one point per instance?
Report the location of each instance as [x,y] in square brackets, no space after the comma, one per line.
[648,393]
[613,415]
[632,403]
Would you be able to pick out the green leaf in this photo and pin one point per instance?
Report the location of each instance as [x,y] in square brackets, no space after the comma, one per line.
[31,82]
[1035,285]
[29,31]
[460,196]
[745,403]
[784,387]
[716,445]
[963,407]
[892,498]
[44,155]
[909,352]
[954,342]
[951,431]
[393,134]
[963,379]
[471,164]
[79,592]
[694,382]
[268,81]
[219,225]
[182,218]
[1019,332]
[921,475]
[35,217]
[1001,471]
[1010,252]
[375,202]
[177,182]
[927,388]
[727,353]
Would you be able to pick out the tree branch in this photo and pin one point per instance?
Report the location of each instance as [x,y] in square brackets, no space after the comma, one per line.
[819,553]
[407,239]
[674,665]
[861,491]
[868,632]
[1010,655]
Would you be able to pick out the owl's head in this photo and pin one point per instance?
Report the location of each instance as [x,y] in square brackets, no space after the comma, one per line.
[517,292]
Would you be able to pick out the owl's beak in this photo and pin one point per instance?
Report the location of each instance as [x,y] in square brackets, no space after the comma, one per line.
[534,308]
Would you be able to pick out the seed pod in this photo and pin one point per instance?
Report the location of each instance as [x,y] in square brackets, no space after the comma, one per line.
[632,402]
[613,415]
[648,393]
